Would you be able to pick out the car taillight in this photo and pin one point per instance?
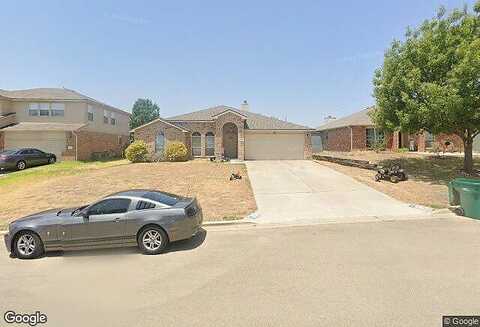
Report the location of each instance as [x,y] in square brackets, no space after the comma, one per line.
[3,157]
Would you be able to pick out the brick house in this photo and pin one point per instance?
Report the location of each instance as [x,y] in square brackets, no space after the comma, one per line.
[234,133]
[357,132]
[61,121]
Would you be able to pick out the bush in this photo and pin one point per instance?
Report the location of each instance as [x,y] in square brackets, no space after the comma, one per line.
[137,152]
[379,146]
[176,151]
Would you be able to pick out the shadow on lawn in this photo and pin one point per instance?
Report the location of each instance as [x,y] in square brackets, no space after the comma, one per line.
[184,245]
[433,169]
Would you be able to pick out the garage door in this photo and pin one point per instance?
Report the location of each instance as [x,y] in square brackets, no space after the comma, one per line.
[53,142]
[269,146]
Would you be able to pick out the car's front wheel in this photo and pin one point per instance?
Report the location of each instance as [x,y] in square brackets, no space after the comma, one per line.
[52,160]
[28,245]
[152,240]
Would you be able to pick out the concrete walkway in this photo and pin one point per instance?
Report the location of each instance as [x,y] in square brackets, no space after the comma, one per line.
[306,192]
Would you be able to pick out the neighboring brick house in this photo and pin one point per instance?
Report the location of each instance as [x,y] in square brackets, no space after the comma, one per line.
[357,132]
[230,132]
[64,122]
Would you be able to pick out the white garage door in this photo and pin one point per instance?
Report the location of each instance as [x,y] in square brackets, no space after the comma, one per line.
[53,142]
[269,146]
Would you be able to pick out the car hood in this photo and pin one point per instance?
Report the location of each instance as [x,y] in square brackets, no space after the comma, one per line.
[45,215]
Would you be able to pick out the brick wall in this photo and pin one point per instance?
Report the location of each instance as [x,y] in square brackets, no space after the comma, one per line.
[201,127]
[338,139]
[149,133]
[455,140]
[239,122]
[91,142]
[359,138]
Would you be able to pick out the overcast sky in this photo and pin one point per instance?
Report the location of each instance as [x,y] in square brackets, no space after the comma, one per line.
[300,60]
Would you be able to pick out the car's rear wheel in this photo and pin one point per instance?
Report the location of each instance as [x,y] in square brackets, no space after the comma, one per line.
[21,165]
[152,240]
[52,160]
[28,245]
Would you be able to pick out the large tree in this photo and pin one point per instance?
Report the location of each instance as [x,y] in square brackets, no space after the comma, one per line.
[144,111]
[431,80]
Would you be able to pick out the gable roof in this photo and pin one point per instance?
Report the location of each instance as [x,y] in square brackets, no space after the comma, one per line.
[252,120]
[160,120]
[52,94]
[360,118]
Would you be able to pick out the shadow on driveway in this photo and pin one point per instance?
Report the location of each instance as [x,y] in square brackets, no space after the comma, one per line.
[184,245]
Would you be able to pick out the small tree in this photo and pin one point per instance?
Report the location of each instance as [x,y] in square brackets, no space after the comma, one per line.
[431,80]
[137,152]
[143,111]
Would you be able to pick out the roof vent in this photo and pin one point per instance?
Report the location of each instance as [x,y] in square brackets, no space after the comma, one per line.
[244,106]
[329,118]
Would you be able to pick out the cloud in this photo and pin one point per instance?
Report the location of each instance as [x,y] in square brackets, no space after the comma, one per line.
[129,19]
[364,56]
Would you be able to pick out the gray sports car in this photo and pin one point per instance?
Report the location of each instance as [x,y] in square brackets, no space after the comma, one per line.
[144,218]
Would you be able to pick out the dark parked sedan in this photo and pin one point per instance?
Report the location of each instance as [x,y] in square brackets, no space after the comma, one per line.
[144,218]
[22,158]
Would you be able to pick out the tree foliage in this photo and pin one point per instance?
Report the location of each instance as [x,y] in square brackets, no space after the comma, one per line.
[431,80]
[144,111]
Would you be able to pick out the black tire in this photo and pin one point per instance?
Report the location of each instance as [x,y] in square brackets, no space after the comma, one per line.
[378,177]
[21,165]
[52,160]
[394,179]
[403,177]
[152,248]
[459,211]
[19,247]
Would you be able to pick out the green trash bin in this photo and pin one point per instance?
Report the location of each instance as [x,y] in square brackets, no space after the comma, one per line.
[465,192]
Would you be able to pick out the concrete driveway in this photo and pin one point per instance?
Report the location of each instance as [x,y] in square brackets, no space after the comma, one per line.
[304,192]
[400,273]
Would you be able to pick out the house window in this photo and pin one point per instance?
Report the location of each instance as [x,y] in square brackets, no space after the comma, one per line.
[113,121]
[44,109]
[57,109]
[160,143]
[105,117]
[33,109]
[90,112]
[373,136]
[196,144]
[209,144]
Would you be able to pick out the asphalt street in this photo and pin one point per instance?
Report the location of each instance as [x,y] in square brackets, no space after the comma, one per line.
[386,273]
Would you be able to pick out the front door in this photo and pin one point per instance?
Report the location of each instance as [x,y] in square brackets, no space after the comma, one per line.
[230,140]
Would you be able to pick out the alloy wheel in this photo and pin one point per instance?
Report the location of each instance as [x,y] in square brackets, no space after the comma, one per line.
[21,165]
[26,245]
[152,240]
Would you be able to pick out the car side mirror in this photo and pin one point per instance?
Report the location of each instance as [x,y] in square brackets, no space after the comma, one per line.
[85,215]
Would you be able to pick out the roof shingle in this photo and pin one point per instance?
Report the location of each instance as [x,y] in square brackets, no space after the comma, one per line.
[253,120]
[360,118]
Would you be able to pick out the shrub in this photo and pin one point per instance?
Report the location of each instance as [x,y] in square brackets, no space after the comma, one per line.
[378,146]
[176,151]
[137,152]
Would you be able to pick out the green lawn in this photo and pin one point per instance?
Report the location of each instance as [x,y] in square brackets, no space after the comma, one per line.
[59,169]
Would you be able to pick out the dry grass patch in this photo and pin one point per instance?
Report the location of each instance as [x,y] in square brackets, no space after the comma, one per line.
[428,174]
[219,197]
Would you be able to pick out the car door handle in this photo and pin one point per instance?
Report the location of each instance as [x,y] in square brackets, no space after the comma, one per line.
[116,220]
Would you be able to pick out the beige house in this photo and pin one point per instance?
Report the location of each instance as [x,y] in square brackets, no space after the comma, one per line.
[61,121]
[229,132]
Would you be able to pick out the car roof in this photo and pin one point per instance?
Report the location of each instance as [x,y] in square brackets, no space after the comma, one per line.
[142,193]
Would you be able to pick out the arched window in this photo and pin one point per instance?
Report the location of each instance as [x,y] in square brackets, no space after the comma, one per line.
[160,143]
[196,144]
[209,144]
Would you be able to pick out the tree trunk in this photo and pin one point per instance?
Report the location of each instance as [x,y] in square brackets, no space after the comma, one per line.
[468,150]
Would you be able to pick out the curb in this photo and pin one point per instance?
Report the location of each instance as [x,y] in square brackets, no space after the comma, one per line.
[228,223]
